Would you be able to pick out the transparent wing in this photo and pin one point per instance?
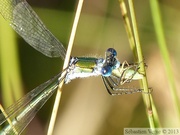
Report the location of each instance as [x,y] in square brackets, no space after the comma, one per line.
[23,111]
[28,25]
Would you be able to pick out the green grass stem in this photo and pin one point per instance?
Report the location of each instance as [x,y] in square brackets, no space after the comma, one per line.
[151,111]
[10,72]
[156,15]
[146,97]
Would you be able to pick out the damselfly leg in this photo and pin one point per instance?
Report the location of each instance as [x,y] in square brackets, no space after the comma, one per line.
[124,74]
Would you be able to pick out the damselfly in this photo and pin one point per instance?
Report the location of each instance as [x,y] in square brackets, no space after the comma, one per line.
[27,24]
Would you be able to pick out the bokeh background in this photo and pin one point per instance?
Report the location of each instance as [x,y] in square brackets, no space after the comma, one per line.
[86,107]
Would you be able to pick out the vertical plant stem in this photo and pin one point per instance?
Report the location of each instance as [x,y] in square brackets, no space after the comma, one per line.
[128,27]
[146,97]
[66,63]
[164,53]
[134,41]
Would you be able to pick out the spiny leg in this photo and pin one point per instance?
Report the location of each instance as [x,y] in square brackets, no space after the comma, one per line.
[124,69]
[119,91]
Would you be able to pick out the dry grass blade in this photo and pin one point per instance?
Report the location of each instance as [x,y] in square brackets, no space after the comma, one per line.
[66,63]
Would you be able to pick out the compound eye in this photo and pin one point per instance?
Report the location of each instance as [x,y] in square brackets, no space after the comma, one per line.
[106,71]
[111,52]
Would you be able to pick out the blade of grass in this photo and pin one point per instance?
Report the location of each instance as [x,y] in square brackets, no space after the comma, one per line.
[10,72]
[128,27]
[136,48]
[153,120]
[155,10]
[66,63]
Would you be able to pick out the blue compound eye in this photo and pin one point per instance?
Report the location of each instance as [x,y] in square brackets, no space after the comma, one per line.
[106,71]
[111,51]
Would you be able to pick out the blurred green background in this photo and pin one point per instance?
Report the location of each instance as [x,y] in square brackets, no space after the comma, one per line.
[86,107]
